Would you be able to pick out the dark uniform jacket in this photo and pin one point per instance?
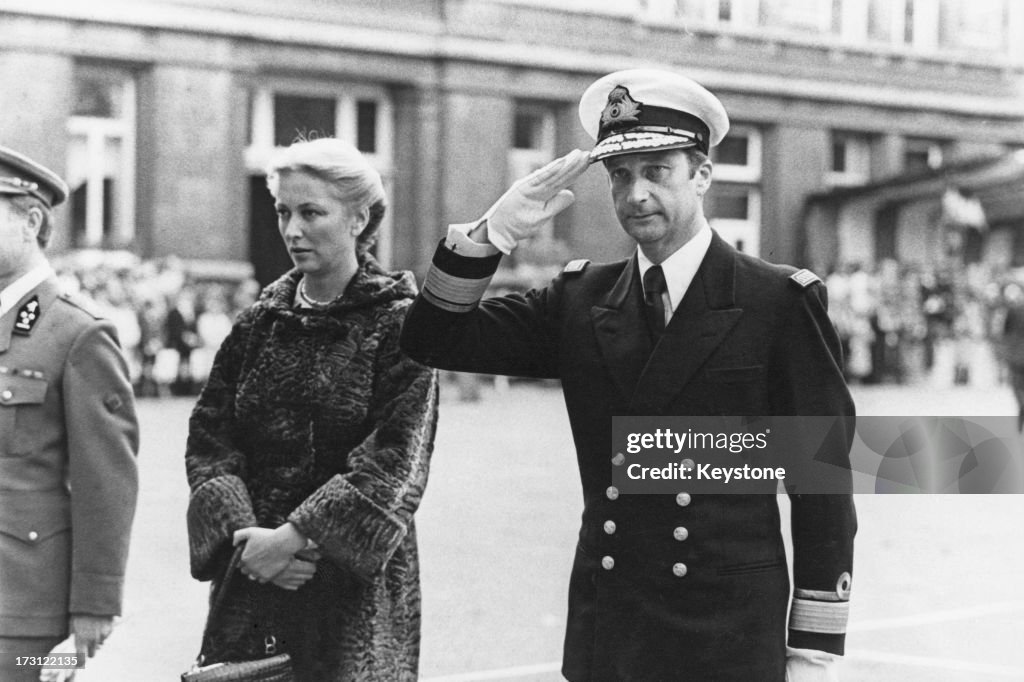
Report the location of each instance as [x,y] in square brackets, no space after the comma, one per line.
[68,478]
[675,587]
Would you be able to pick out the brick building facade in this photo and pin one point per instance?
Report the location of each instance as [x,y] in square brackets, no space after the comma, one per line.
[161,113]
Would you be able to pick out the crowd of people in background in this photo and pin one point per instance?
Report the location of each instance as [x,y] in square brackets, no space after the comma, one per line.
[170,324]
[899,323]
[902,323]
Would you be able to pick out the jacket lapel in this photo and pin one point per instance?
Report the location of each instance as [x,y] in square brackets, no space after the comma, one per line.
[620,329]
[7,328]
[700,323]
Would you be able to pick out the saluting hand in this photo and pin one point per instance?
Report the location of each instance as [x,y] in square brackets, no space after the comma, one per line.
[533,200]
[267,551]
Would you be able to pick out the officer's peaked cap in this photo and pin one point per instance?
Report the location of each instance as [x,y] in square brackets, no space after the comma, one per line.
[643,110]
[21,175]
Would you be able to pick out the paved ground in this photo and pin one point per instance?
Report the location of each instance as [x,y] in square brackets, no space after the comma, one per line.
[939,594]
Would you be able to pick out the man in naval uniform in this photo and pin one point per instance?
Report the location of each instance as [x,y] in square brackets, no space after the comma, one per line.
[68,441]
[663,587]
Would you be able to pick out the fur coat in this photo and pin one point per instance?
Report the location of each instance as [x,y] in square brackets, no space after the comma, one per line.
[316,417]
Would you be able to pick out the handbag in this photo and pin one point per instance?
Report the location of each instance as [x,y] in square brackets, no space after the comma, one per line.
[275,668]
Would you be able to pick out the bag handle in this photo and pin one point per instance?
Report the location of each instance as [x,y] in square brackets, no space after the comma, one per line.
[217,600]
[217,603]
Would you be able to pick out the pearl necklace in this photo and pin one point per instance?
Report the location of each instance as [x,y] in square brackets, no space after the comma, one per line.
[309,299]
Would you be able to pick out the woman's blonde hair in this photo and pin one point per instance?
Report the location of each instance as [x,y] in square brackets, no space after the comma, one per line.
[345,169]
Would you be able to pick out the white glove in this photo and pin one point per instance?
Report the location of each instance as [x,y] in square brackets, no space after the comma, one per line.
[811,665]
[65,648]
[531,201]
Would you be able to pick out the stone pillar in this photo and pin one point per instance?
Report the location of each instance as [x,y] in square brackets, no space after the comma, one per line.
[887,156]
[194,184]
[795,162]
[417,219]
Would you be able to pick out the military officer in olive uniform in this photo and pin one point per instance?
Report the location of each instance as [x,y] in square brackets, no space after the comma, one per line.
[68,441]
[663,587]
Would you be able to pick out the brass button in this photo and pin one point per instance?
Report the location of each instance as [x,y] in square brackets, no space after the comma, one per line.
[679,570]
[6,395]
[609,527]
[687,463]
[33,536]
[607,563]
[843,586]
[612,492]
[680,533]
[618,459]
[683,499]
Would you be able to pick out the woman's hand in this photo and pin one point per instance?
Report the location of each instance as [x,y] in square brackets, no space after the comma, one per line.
[296,574]
[268,552]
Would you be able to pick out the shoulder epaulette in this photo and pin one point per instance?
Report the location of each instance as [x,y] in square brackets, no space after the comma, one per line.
[805,278]
[577,265]
[83,304]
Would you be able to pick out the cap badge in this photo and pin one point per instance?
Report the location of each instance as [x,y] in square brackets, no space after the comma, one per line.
[27,316]
[621,108]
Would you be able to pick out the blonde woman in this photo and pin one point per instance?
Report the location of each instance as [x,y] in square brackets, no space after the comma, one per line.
[311,442]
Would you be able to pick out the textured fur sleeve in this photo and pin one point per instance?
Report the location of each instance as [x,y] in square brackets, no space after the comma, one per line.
[360,518]
[216,509]
[219,503]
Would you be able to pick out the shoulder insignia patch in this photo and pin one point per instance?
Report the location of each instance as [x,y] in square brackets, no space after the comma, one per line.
[805,278]
[575,265]
[27,316]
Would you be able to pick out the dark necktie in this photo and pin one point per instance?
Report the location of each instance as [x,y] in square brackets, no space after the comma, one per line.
[654,287]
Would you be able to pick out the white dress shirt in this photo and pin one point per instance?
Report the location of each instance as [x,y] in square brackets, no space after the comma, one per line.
[14,291]
[680,268]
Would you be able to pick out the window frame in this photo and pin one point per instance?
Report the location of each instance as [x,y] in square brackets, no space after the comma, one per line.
[733,230]
[750,172]
[97,131]
[748,175]
[858,154]
[346,96]
[520,162]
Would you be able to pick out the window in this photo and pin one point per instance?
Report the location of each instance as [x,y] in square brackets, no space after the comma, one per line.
[533,128]
[532,145]
[851,159]
[908,22]
[922,154]
[280,115]
[734,151]
[282,111]
[703,11]
[884,22]
[725,10]
[734,203]
[731,202]
[973,24]
[100,161]
[734,210]
[837,16]
[297,117]
[801,15]
[738,156]
[366,125]
[901,22]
